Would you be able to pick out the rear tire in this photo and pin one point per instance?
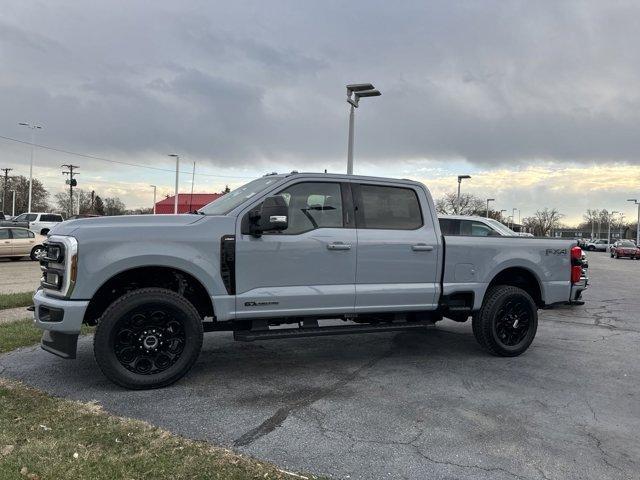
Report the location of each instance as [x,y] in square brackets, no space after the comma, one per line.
[507,323]
[148,338]
[35,252]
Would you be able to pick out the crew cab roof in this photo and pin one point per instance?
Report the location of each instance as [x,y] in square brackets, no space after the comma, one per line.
[344,176]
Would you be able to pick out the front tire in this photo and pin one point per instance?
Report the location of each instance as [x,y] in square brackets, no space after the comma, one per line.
[148,338]
[507,323]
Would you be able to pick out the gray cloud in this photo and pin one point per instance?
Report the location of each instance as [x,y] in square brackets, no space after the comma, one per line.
[247,82]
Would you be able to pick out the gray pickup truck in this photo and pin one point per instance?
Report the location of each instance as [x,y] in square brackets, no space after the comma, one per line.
[288,256]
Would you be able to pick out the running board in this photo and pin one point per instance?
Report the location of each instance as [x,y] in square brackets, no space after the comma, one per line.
[251,335]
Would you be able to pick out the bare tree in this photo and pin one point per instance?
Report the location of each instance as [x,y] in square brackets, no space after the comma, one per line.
[468,205]
[543,222]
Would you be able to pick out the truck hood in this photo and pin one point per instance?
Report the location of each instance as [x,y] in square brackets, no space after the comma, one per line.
[125,221]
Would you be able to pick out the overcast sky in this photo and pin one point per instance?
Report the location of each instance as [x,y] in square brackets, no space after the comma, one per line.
[538,101]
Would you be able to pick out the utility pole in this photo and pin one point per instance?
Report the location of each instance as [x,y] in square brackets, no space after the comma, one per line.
[4,189]
[72,182]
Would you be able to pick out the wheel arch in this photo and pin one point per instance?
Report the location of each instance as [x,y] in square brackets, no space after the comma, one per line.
[523,278]
[136,278]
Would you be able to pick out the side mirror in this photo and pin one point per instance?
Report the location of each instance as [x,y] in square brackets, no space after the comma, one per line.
[273,216]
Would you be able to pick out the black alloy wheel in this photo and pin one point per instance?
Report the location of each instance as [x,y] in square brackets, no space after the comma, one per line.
[513,321]
[507,322]
[148,338]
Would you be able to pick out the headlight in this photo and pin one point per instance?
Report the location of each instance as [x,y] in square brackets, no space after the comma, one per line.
[59,265]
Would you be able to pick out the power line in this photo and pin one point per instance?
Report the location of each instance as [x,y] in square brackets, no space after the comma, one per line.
[103,159]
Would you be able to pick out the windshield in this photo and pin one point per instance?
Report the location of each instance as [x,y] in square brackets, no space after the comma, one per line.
[500,227]
[229,201]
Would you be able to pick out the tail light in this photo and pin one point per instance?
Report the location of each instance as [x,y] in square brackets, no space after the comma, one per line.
[576,256]
[576,264]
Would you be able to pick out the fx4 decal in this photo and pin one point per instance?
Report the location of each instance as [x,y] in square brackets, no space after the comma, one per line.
[556,251]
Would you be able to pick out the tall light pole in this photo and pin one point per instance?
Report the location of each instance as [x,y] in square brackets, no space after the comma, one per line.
[609,229]
[513,217]
[155,188]
[13,204]
[635,200]
[501,212]
[460,178]
[193,179]
[175,200]
[33,127]
[489,200]
[354,93]
[621,224]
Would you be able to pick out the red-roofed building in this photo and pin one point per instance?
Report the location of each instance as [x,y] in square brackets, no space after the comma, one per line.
[187,202]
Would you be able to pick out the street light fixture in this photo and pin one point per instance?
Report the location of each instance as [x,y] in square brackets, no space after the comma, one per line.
[33,127]
[635,200]
[489,200]
[154,197]
[175,199]
[355,92]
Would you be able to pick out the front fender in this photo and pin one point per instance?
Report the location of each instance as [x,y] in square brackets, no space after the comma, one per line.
[97,263]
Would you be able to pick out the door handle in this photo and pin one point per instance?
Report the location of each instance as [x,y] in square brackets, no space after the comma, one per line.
[421,247]
[338,246]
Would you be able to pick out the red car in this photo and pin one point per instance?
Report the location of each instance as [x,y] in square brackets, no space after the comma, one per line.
[625,248]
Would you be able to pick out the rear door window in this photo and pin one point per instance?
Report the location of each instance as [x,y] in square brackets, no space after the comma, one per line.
[4,233]
[20,233]
[389,208]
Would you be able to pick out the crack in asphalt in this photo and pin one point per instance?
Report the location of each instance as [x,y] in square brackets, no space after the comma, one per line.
[603,453]
[279,417]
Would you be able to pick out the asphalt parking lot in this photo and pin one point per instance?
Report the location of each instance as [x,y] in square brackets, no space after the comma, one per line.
[21,276]
[406,405]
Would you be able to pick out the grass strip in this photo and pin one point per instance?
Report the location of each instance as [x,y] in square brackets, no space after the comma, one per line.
[45,437]
[15,300]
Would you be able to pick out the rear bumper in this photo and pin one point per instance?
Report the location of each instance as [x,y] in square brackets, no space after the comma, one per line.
[61,321]
[577,289]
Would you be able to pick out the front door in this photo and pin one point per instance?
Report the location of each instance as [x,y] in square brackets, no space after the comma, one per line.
[398,249]
[307,269]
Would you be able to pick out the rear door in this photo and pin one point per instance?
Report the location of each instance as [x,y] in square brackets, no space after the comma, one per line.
[398,249]
[5,242]
[307,269]
[23,241]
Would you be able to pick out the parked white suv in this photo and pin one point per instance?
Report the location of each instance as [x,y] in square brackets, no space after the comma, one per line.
[37,222]
[599,245]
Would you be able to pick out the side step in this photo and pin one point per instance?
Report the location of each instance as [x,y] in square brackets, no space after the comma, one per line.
[265,334]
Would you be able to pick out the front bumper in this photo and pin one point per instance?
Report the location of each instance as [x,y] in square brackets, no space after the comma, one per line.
[61,321]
